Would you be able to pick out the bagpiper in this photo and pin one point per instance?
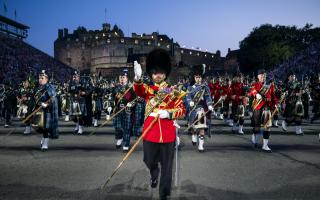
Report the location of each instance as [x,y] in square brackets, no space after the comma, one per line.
[217,94]
[264,102]
[78,93]
[26,103]
[97,101]
[239,102]
[294,109]
[200,102]
[124,98]
[163,104]
[45,120]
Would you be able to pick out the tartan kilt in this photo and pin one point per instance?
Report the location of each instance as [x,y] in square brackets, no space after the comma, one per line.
[122,122]
[98,105]
[138,118]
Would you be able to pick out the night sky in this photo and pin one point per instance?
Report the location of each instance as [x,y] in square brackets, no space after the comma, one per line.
[207,24]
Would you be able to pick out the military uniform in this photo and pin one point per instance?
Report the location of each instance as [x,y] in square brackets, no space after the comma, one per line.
[79,111]
[26,104]
[161,102]
[45,120]
[97,103]
[264,102]
[239,102]
[200,101]
[294,109]
[123,96]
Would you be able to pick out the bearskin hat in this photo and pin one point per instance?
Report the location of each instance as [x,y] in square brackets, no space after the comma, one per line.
[199,70]
[158,60]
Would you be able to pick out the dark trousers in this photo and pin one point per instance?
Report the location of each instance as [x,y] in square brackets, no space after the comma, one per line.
[160,152]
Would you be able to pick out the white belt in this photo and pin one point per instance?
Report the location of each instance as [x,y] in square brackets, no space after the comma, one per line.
[153,114]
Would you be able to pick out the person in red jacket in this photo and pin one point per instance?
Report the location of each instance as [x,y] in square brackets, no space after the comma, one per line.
[216,91]
[163,102]
[239,101]
[264,101]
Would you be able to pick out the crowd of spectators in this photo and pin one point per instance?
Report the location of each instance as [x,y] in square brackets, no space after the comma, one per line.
[19,60]
[303,64]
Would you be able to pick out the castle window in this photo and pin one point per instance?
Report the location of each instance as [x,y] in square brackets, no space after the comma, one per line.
[205,55]
[190,52]
[108,41]
[168,46]
[149,42]
[122,40]
[97,37]
[77,40]
[159,44]
[198,54]
[136,41]
[182,51]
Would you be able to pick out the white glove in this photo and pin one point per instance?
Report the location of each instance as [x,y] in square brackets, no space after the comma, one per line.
[44,105]
[129,105]
[191,103]
[163,114]
[210,108]
[108,117]
[175,123]
[258,96]
[109,109]
[137,70]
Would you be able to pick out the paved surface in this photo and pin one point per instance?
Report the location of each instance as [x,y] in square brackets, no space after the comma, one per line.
[76,166]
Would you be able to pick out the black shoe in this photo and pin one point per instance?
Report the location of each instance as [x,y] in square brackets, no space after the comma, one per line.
[118,146]
[194,143]
[154,183]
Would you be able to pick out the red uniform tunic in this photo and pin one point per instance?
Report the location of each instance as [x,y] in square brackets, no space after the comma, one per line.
[163,131]
[268,99]
[236,91]
[216,91]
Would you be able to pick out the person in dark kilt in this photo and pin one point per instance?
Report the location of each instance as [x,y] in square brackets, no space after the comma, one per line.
[200,101]
[124,96]
[45,120]
[294,109]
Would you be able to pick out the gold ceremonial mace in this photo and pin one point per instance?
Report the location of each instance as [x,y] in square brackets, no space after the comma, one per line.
[139,139]
[111,117]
